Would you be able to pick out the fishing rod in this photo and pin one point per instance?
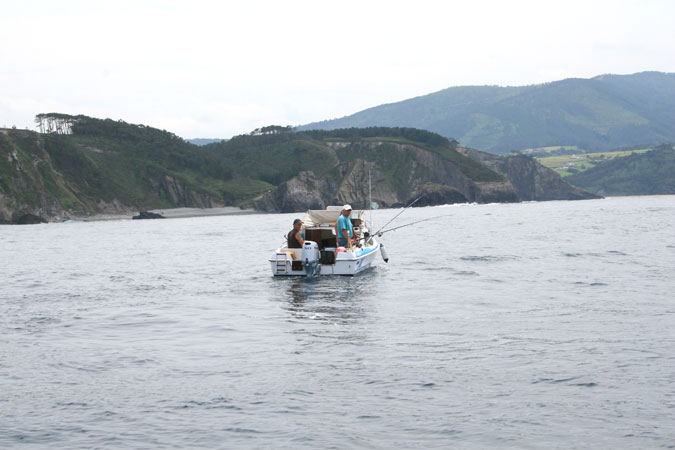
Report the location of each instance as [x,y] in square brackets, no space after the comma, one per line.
[400,212]
[380,233]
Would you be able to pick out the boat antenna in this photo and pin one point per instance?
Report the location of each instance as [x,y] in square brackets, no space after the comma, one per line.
[370,199]
[400,212]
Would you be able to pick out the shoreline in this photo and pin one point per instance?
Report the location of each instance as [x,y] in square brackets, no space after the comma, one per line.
[181,213]
[171,213]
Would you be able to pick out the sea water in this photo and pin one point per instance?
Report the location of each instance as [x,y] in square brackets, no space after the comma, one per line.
[524,326]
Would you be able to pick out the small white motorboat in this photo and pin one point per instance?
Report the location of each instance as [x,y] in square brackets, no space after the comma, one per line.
[320,255]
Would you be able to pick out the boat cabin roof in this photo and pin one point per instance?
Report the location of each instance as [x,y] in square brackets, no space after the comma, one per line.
[327,217]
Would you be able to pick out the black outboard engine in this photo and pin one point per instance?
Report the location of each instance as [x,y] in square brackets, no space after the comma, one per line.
[311,257]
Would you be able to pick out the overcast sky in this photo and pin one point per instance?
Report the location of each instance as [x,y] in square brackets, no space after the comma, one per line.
[210,69]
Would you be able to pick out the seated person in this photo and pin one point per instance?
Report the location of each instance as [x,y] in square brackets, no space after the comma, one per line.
[294,237]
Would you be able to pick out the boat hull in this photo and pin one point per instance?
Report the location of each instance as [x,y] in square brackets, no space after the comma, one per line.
[347,263]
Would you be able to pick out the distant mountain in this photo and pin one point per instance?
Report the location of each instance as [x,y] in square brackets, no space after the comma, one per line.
[91,166]
[601,113]
[647,173]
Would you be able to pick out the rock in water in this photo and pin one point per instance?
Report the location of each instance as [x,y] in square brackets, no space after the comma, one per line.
[437,194]
[148,215]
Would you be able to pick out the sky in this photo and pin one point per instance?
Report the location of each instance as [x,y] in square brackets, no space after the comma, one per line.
[212,69]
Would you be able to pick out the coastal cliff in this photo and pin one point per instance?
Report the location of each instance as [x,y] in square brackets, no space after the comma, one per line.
[112,167]
[42,177]
[425,173]
[531,180]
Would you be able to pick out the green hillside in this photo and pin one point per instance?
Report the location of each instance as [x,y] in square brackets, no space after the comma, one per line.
[597,114]
[105,160]
[101,164]
[646,173]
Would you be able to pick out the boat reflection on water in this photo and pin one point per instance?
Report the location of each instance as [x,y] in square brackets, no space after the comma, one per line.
[334,300]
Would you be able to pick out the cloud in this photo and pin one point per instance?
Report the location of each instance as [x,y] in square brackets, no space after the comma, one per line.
[220,68]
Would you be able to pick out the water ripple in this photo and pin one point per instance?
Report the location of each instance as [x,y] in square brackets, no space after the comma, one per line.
[545,314]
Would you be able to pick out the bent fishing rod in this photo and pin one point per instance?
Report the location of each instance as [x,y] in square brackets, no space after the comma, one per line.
[400,212]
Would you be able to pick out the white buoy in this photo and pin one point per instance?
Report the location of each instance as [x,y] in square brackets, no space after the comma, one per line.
[384,253]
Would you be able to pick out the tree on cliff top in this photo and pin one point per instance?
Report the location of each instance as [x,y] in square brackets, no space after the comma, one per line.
[272,129]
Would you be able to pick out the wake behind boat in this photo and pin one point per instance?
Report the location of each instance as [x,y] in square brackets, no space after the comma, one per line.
[320,254]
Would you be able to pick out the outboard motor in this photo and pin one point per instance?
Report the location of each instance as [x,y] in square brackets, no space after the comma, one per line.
[311,257]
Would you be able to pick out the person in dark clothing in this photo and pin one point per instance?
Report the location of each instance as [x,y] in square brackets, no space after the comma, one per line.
[294,236]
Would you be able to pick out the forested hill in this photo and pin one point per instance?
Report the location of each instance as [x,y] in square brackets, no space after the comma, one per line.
[647,173]
[80,165]
[600,113]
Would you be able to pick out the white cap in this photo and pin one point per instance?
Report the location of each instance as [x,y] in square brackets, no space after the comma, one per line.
[347,207]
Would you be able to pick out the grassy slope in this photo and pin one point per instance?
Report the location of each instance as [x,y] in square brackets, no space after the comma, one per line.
[647,173]
[566,165]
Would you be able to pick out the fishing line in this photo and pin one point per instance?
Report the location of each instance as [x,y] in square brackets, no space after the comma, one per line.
[401,212]
[380,233]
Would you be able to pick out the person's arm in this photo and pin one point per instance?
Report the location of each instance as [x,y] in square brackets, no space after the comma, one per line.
[298,236]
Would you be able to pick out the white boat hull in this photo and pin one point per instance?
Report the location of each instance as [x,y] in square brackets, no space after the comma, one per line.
[346,263]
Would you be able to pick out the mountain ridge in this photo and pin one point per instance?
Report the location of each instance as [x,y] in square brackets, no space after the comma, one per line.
[599,113]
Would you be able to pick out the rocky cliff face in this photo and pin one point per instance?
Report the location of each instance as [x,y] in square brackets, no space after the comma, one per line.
[439,180]
[531,180]
[57,178]
[352,186]
[30,184]
[178,194]
[305,191]
[23,179]
[424,172]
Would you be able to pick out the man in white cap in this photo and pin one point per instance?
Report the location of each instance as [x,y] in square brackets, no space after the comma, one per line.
[344,227]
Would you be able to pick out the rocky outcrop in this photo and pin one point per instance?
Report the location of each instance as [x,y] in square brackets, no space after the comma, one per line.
[536,182]
[437,194]
[353,188]
[348,185]
[147,215]
[29,219]
[24,193]
[12,210]
[303,192]
[531,180]
[180,195]
[422,173]
[495,192]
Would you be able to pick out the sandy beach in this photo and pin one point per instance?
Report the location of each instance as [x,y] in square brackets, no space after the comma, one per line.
[173,213]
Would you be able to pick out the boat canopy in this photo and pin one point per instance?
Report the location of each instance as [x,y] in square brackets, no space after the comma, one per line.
[326,217]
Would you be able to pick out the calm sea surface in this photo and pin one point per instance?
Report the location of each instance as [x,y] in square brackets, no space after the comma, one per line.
[524,326]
